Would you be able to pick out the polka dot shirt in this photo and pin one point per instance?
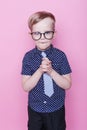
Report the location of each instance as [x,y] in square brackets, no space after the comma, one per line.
[37,100]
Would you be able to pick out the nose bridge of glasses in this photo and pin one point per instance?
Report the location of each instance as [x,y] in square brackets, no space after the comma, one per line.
[42,35]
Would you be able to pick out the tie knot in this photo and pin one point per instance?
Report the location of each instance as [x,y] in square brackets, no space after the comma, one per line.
[43,54]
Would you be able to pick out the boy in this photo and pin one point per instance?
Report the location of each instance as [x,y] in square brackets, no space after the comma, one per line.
[45,63]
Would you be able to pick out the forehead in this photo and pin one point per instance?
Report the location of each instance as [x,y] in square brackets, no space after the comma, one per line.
[43,25]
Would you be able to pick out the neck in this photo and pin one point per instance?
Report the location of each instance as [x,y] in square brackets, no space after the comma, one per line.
[44,49]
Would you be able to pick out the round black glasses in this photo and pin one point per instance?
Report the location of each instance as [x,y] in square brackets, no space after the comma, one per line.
[47,35]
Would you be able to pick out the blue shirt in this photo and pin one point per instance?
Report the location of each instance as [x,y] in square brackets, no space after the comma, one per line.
[37,100]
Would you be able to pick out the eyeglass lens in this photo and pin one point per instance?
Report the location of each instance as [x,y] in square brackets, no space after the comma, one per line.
[47,35]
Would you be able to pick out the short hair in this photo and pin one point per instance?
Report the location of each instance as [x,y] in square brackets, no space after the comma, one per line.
[38,16]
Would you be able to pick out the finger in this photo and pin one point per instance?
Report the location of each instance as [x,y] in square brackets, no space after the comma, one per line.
[46,61]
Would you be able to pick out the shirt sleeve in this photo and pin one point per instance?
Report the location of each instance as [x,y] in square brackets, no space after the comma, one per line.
[26,69]
[65,67]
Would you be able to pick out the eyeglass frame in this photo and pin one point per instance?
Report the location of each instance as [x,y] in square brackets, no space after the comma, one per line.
[41,35]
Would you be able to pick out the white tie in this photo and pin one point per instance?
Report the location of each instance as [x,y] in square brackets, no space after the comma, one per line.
[48,83]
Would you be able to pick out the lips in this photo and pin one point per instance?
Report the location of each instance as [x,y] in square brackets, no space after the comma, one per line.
[43,42]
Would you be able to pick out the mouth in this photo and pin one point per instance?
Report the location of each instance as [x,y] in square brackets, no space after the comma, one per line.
[42,42]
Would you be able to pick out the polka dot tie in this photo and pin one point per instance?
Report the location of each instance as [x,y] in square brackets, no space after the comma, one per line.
[48,83]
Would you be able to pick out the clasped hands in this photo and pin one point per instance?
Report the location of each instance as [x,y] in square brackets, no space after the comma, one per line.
[46,66]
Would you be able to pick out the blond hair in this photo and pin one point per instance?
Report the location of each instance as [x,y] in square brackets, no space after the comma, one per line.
[38,16]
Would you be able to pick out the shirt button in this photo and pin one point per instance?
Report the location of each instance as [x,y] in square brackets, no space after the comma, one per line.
[44,102]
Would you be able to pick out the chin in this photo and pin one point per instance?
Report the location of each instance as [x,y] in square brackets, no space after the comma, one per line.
[44,48]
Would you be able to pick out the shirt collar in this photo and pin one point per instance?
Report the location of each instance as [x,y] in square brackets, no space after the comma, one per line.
[49,50]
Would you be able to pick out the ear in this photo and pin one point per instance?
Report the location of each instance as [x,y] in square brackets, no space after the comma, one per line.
[29,33]
[54,34]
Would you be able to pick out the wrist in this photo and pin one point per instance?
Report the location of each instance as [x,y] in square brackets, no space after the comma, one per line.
[40,70]
[50,72]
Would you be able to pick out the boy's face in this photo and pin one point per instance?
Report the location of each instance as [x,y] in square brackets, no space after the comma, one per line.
[43,41]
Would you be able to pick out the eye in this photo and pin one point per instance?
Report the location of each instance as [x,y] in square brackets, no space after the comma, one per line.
[49,32]
[36,33]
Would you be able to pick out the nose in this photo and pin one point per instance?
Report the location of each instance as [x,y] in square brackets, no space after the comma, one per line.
[42,36]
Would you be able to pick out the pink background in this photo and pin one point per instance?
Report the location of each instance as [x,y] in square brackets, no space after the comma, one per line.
[14,42]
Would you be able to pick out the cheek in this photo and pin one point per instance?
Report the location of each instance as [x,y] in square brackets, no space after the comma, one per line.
[46,43]
[36,42]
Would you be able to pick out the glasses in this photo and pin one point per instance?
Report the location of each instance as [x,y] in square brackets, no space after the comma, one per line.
[47,35]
